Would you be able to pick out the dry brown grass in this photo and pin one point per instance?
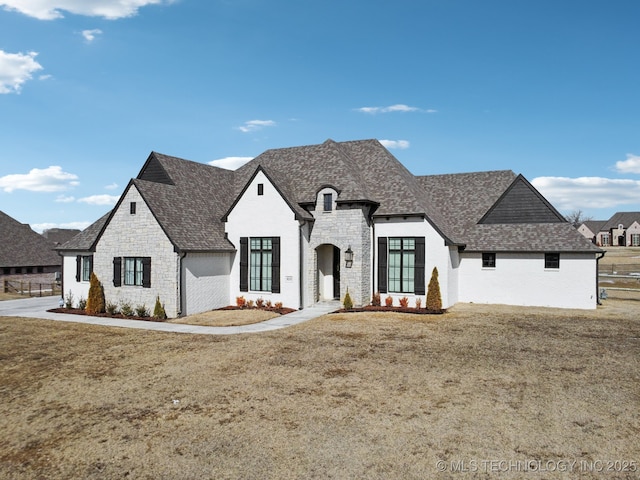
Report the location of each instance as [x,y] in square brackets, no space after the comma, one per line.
[226,318]
[362,395]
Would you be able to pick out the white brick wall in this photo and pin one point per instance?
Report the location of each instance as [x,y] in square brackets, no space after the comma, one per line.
[205,279]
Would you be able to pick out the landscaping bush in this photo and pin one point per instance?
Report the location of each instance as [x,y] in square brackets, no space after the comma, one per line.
[404,302]
[260,302]
[126,309]
[141,310]
[348,303]
[95,303]
[388,301]
[68,300]
[241,302]
[82,303]
[418,303]
[375,299]
[111,308]
[158,310]
[434,300]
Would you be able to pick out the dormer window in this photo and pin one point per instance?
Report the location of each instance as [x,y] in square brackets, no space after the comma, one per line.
[328,202]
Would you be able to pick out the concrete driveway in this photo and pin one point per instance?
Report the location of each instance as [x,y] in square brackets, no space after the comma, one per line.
[37,308]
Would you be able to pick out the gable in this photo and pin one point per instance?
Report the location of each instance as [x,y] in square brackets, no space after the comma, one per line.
[521,203]
[153,171]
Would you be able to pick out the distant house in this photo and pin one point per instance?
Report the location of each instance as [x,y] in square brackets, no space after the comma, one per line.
[621,230]
[25,254]
[306,224]
[58,236]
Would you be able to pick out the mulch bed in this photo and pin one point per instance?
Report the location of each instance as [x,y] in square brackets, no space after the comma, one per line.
[281,311]
[380,308]
[79,311]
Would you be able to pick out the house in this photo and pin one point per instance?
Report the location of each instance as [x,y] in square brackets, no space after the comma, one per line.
[591,228]
[58,236]
[305,224]
[26,255]
[621,230]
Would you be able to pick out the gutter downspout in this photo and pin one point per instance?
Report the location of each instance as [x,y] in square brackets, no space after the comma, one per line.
[300,267]
[598,276]
[179,283]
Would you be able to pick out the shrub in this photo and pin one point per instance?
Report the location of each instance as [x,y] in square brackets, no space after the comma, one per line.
[434,300]
[418,303]
[158,310]
[241,302]
[260,302]
[268,304]
[95,302]
[375,299]
[278,305]
[68,300]
[82,303]
[249,303]
[141,310]
[388,301]
[404,302]
[111,308]
[126,309]
[348,303]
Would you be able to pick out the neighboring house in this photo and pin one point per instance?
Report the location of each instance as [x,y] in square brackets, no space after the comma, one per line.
[305,224]
[25,254]
[621,230]
[591,228]
[58,236]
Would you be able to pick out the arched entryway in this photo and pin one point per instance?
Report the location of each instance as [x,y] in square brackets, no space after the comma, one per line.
[328,272]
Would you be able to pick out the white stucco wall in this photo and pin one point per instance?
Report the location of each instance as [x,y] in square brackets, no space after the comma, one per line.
[138,235]
[205,281]
[521,279]
[266,215]
[77,290]
[436,255]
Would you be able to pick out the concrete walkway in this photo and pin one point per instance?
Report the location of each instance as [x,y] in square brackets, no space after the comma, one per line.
[37,308]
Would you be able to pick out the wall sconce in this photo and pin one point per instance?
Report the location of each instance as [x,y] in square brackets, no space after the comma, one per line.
[348,257]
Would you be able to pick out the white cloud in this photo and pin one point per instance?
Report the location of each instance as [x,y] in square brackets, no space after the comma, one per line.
[65,199]
[100,200]
[52,9]
[230,163]
[568,194]
[90,35]
[630,165]
[112,186]
[50,179]
[16,69]
[399,107]
[253,125]
[399,144]
[41,227]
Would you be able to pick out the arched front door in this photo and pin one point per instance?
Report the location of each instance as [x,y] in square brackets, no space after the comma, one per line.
[328,272]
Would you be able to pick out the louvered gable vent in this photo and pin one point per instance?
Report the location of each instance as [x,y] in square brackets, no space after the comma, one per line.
[521,203]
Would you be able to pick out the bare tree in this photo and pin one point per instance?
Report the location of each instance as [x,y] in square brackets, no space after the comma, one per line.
[577,218]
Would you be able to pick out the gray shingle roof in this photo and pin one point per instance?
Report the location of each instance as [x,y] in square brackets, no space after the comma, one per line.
[22,247]
[595,225]
[189,199]
[86,239]
[624,218]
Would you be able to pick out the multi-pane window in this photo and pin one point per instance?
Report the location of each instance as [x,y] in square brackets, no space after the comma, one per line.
[635,239]
[133,271]
[489,260]
[260,264]
[606,241]
[328,202]
[402,260]
[551,260]
[87,262]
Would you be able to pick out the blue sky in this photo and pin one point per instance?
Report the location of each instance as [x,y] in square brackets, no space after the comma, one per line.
[88,88]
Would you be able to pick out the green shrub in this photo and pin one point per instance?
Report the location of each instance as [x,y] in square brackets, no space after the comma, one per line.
[348,303]
[126,309]
[141,310]
[158,310]
[95,303]
[434,300]
[111,308]
[68,300]
[82,303]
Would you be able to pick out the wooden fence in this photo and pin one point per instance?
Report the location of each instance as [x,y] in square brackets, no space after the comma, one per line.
[32,289]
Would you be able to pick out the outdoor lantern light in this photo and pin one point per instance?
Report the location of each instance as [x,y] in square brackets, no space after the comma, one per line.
[348,257]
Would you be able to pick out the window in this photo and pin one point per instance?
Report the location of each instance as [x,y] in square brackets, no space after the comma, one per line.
[133,271]
[606,240]
[328,202]
[6,271]
[551,260]
[137,271]
[17,270]
[489,260]
[635,239]
[132,208]
[260,189]
[87,268]
[29,269]
[402,259]
[260,264]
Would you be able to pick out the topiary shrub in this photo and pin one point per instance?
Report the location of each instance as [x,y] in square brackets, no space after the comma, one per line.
[348,303]
[434,300]
[158,310]
[95,302]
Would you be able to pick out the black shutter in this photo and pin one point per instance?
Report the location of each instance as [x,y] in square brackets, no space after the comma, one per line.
[382,265]
[117,271]
[275,265]
[244,264]
[78,267]
[419,278]
[146,272]
[90,266]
